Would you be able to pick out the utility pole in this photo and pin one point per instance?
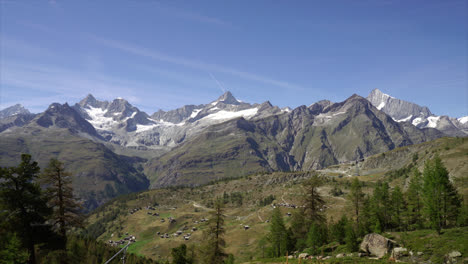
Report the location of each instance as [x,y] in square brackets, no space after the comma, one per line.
[124,250]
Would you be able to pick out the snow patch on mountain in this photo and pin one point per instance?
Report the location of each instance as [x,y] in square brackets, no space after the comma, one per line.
[195,113]
[98,118]
[463,120]
[381,105]
[223,114]
[433,120]
[404,119]
[417,121]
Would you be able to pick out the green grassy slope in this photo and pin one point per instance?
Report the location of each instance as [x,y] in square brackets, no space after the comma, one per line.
[98,173]
[188,205]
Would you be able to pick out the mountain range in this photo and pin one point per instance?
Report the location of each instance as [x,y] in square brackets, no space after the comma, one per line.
[116,148]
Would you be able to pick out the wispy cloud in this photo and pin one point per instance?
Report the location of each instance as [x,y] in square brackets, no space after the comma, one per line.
[221,86]
[194,64]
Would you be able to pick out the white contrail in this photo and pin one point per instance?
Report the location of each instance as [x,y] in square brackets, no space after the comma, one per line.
[216,80]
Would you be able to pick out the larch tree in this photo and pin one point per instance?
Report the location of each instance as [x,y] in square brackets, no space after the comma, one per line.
[313,201]
[441,201]
[213,250]
[356,197]
[278,235]
[59,190]
[414,200]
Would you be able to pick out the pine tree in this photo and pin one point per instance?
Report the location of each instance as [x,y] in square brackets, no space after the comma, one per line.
[356,197]
[66,209]
[277,235]
[313,201]
[22,198]
[213,250]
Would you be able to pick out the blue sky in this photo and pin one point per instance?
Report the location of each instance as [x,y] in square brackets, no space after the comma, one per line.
[165,54]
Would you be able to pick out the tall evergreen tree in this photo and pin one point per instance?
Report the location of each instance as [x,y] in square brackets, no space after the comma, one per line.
[351,238]
[313,201]
[441,201]
[277,235]
[22,198]
[356,197]
[66,209]
[317,236]
[398,208]
[298,229]
[381,206]
[179,254]
[414,200]
[213,250]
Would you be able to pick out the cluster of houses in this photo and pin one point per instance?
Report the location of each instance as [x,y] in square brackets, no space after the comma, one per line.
[128,238]
[134,210]
[287,205]
[178,233]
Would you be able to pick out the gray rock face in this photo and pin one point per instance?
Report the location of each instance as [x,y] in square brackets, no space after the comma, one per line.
[306,138]
[16,109]
[396,108]
[419,116]
[377,245]
[121,123]
[63,116]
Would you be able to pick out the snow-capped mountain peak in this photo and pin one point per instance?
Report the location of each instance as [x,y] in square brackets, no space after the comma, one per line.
[419,116]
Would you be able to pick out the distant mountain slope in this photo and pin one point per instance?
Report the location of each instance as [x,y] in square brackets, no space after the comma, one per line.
[306,138]
[420,116]
[60,132]
[16,109]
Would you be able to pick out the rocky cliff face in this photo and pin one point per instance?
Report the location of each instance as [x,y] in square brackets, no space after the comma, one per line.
[419,116]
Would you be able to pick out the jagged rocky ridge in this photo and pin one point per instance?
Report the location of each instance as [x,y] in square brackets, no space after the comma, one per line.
[227,137]
[419,116]
[313,137]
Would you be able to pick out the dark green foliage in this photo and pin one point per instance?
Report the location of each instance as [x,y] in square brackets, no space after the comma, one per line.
[398,208]
[22,199]
[299,230]
[317,236]
[381,207]
[351,238]
[356,197]
[12,251]
[414,201]
[336,191]
[230,259]
[441,201]
[277,236]
[338,230]
[179,254]
[59,192]
[267,200]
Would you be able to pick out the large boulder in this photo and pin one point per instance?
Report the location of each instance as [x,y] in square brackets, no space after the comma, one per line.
[377,245]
